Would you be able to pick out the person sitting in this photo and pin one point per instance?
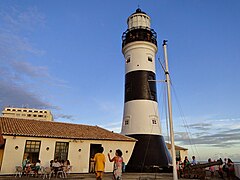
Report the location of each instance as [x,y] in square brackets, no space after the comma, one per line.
[66,166]
[37,167]
[55,166]
[51,162]
[25,162]
[28,168]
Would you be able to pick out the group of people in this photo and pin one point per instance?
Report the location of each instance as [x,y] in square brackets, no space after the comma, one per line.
[181,166]
[99,162]
[226,168]
[31,167]
[57,166]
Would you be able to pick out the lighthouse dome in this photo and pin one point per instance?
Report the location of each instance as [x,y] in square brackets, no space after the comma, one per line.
[138,10]
[138,19]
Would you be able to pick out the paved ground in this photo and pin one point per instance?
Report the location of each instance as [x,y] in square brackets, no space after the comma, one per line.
[108,176]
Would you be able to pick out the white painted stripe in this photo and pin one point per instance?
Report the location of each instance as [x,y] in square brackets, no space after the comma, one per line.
[141,117]
[138,52]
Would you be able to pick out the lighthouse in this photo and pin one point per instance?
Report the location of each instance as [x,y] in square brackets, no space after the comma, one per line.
[141,116]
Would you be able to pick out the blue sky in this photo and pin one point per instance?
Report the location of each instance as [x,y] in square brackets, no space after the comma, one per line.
[66,56]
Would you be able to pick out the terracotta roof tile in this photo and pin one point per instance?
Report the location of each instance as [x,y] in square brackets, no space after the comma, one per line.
[51,129]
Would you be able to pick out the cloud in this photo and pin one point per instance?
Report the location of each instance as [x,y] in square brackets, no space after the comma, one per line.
[113,126]
[28,69]
[17,19]
[210,134]
[19,78]
[201,126]
[64,116]
[13,95]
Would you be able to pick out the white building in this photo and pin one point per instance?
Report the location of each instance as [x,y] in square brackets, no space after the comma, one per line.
[181,152]
[27,113]
[47,140]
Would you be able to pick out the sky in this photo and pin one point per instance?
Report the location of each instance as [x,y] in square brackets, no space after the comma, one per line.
[66,56]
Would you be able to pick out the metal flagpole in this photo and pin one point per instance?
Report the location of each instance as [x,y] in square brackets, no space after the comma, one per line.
[175,177]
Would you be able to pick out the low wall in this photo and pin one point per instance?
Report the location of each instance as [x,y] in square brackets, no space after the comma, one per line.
[237,170]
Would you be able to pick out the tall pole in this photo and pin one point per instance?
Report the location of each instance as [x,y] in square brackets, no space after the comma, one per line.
[175,177]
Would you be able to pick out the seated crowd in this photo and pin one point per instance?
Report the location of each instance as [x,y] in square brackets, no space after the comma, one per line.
[60,166]
[56,168]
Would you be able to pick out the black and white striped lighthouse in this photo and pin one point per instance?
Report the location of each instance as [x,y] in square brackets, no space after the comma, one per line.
[141,117]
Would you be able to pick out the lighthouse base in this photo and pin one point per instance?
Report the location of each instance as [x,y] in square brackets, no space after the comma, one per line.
[150,154]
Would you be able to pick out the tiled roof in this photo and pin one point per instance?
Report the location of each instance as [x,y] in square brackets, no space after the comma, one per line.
[51,129]
[169,146]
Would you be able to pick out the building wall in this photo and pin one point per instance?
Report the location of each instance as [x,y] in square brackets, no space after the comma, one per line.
[26,113]
[183,153]
[79,159]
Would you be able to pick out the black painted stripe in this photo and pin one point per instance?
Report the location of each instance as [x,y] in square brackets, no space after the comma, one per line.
[140,85]
[149,151]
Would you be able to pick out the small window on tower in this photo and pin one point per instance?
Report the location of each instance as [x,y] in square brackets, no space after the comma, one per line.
[128,60]
[150,59]
[126,120]
[154,121]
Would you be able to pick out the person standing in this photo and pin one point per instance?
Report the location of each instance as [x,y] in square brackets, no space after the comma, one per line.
[186,167]
[230,169]
[194,162]
[99,160]
[92,164]
[211,168]
[118,160]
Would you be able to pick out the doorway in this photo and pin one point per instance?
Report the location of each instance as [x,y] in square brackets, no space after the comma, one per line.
[93,150]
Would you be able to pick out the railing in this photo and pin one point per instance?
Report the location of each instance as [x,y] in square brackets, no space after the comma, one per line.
[139,34]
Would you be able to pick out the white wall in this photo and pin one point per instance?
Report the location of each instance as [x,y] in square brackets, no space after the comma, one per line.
[79,159]
[237,170]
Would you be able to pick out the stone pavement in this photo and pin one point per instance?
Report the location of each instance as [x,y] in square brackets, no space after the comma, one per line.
[108,176]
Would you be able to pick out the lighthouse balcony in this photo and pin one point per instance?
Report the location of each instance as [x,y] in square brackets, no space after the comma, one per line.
[139,34]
